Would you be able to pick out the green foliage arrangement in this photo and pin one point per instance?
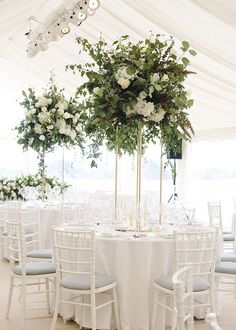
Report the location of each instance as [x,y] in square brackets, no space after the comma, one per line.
[132,86]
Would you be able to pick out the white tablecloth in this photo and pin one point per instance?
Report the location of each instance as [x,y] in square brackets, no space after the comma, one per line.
[135,264]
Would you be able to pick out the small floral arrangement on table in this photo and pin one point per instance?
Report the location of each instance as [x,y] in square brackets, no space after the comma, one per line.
[12,189]
[132,86]
[50,120]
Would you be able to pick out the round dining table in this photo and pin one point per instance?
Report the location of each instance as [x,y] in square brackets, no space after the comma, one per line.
[135,262]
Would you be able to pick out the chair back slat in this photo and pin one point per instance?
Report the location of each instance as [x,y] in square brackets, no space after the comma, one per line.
[215,214]
[74,251]
[23,233]
[198,249]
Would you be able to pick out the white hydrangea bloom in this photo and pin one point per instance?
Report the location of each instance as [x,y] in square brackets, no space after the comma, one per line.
[154,78]
[66,115]
[38,129]
[60,111]
[142,107]
[43,102]
[165,77]
[72,134]
[62,105]
[123,78]
[157,116]
[43,117]
[124,83]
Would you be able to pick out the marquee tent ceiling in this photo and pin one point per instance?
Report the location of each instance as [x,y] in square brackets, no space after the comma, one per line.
[209,26]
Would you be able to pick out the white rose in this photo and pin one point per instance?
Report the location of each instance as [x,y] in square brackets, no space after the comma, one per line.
[37,104]
[124,83]
[50,127]
[154,78]
[151,90]
[62,130]
[42,137]
[38,129]
[143,95]
[42,117]
[32,110]
[43,102]
[96,90]
[62,105]
[49,101]
[165,77]
[44,109]
[60,111]
[66,115]
[72,134]
[157,116]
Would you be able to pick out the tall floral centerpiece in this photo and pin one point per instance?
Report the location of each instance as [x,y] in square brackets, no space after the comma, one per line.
[135,93]
[50,120]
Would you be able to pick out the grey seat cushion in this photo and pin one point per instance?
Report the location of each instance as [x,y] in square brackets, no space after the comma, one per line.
[28,231]
[82,282]
[227,232]
[199,283]
[228,237]
[226,267]
[228,257]
[40,253]
[36,268]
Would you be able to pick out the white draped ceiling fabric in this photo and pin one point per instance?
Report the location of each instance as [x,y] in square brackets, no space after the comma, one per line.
[209,26]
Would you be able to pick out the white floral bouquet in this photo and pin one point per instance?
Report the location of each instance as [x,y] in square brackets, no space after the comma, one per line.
[50,120]
[133,86]
[12,189]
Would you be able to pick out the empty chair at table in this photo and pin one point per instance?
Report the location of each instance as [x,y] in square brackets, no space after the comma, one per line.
[3,232]
[74,251]
[198,249]
[23,273]
[215,219]
[30,220]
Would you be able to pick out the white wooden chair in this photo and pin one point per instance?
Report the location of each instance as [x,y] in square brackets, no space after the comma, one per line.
[183,298]
[31,223]
[215,219]
[197,248]
[23,273]
[3,232]
[74,251]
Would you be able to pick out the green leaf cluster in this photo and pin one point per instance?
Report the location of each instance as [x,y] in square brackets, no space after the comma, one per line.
[132,86]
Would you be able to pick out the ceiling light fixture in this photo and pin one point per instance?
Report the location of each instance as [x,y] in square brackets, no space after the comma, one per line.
[56,24]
